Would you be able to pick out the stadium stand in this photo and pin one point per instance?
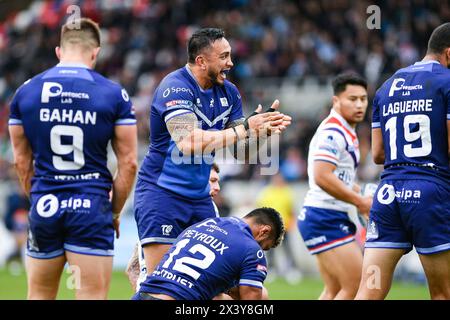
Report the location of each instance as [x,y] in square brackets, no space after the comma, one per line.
[281,49]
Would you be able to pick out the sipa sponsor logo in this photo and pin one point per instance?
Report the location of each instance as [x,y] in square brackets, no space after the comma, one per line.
[75,203]
[48,205]
[387,194]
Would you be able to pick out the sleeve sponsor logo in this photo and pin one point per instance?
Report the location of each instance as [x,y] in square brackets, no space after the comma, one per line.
[261,268]
[125,95]
[224,102]
[260,254]
[172,103]
[176,90]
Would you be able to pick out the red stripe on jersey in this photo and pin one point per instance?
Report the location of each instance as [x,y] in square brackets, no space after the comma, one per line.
[331,242]
[336,121]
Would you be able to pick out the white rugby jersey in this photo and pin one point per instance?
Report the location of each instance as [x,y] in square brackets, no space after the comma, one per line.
[335,141]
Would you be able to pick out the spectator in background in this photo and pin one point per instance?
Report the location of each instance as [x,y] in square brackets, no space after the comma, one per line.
[279,195]
[16,221]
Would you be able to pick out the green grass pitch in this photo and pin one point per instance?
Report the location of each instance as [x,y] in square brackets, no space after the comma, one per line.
[13,287]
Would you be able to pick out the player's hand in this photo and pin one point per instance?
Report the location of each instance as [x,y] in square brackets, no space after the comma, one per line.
[116,224]
[364,206]
[268,123]
[286,119]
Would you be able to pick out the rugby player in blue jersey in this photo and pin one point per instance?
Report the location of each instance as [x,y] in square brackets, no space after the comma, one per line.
[411,137]
[136,270]
[60,124]
[195,111]
[214,256]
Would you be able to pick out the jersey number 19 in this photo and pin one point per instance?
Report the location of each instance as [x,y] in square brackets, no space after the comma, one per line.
[423,133]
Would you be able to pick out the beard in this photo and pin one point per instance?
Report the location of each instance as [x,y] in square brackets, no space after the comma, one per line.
[213,76]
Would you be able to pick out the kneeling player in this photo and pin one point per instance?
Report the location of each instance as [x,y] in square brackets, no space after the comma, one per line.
[217,255]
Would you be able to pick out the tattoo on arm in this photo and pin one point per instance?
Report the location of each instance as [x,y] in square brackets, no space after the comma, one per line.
[181,126]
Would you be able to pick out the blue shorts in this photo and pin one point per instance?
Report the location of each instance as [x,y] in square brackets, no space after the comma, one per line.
[410,212]
[325,229]
[80,223]
[162,215]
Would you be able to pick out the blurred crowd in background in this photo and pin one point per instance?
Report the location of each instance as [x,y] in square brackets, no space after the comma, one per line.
[143,40]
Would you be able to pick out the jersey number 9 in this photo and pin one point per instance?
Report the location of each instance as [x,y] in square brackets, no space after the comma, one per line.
[61,149]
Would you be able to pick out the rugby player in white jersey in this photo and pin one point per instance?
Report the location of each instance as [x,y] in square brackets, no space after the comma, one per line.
[323,221]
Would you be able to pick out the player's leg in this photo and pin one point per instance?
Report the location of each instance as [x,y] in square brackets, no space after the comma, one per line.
[331,285]
[132,270]
[343,270]
[432,237]
[377,271]
[45,254]
[437,270]
[43,277]
[153,253]
[89,245]
[92,273]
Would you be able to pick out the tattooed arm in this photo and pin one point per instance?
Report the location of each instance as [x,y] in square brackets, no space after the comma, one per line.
[190,139]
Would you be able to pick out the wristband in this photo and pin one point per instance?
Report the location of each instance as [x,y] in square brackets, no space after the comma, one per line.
[235,132]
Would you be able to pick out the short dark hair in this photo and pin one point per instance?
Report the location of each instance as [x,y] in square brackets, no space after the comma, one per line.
[215,167]
[439,39]
[271,217]
[82,31]
[342,80]
[202,39]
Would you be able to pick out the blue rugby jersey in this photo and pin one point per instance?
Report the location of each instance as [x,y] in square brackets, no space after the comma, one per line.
[68,113]
[412,108]
[208,258]
[177,94]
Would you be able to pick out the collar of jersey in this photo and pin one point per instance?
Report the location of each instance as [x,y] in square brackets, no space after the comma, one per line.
[333,113]
[426,62]
[72,65]
[192,75]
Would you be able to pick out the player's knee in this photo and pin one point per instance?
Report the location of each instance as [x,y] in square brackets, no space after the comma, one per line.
[440,293]
[265,294]
[329,293]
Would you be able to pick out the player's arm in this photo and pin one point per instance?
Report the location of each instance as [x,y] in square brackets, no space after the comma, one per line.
[331,184]
[190,139]
[124,144]
[448,136]
[378,146]
[250,293]
[248,148]
[23,156]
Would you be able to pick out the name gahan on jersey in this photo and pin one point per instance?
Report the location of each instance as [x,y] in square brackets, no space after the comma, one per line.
[68,116]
